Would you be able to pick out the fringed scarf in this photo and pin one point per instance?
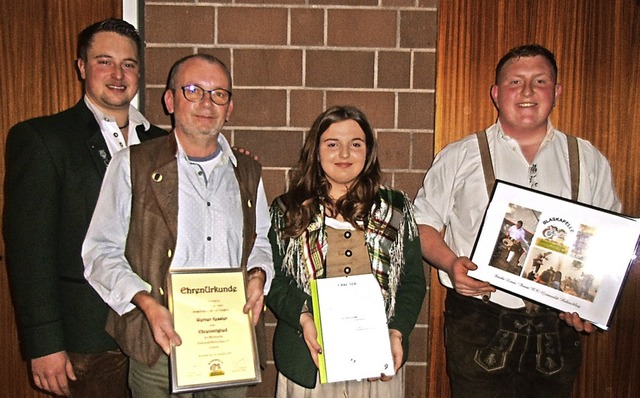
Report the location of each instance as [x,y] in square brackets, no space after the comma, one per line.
[304,256]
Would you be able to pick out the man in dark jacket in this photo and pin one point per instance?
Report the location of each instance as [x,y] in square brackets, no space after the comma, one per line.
[54,170]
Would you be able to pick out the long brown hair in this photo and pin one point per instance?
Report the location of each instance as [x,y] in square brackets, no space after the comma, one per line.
[308,184]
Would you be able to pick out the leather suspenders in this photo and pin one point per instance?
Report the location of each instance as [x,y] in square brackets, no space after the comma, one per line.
[490,177]
[487,165]
[574,166]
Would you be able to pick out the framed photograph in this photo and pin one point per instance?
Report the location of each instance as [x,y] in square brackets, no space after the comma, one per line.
[218,340]
[559,253]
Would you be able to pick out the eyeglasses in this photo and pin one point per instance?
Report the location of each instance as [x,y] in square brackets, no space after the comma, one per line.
[195,93]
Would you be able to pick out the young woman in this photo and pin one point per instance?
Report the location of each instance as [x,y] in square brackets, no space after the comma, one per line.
[337,219]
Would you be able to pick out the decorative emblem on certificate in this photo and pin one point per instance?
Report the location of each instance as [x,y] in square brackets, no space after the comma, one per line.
[218,340]
[569,256]
[352,328]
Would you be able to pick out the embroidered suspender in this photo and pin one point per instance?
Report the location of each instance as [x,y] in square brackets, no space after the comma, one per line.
[489,175]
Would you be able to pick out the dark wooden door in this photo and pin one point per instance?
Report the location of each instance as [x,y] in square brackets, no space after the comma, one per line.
[37,77]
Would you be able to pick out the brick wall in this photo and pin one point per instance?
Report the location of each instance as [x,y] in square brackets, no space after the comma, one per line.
[290,60]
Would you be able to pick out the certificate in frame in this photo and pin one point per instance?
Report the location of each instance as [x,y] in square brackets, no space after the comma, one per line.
[218,340]
[576,256]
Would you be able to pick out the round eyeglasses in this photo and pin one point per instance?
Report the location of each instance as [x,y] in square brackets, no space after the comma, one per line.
[195,93]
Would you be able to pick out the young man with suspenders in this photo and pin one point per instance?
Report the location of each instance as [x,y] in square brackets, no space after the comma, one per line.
[497,344]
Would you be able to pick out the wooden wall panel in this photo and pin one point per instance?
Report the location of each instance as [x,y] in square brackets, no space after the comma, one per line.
[37,72]
[598,53]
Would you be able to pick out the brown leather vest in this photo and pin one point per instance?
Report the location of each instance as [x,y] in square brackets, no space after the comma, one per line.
[151,240]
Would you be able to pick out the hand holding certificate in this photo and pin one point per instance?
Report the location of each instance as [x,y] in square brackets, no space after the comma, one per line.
[352,328]
[218,340]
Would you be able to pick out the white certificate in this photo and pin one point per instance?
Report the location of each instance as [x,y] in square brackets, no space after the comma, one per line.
[352,328]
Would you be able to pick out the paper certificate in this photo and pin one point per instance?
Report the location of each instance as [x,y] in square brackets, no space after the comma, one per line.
[559,253]
[218,340]
[352,328]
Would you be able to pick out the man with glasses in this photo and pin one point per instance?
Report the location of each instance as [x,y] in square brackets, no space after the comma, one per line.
[54,169]
[222,221]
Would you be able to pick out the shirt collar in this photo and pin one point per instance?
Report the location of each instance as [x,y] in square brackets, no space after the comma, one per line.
[135,117]
[225,149]
[549,137]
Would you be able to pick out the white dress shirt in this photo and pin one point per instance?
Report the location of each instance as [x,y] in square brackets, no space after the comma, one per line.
[110,130]
[516,233]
